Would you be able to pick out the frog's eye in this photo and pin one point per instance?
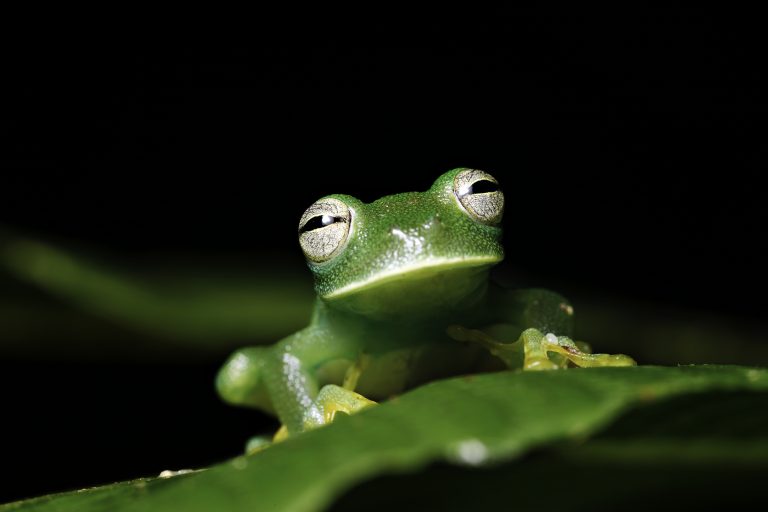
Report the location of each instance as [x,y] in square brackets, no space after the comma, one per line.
[324,228]
[480,195]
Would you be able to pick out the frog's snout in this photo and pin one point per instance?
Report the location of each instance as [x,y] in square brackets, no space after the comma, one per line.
[416,236]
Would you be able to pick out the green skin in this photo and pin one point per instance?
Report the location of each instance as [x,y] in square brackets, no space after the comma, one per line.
[404,299]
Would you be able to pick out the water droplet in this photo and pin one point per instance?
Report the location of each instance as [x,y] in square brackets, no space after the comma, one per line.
[472,452]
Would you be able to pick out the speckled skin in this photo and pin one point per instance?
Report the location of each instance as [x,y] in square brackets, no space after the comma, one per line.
[403,299]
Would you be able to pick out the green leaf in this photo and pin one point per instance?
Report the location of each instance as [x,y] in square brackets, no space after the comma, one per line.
[474,421]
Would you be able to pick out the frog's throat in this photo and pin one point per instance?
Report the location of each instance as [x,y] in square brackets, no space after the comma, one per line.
[415,270]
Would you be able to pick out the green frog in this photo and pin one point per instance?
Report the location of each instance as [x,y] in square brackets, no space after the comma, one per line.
[403,297]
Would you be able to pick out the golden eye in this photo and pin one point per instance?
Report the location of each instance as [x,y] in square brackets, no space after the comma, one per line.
[324,228]
[480,195]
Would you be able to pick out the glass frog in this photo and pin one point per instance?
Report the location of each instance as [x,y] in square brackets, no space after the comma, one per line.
[403,297]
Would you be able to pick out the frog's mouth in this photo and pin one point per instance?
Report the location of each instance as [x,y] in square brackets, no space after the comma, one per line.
[432,284]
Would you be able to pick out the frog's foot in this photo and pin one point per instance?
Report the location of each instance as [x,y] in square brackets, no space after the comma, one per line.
[257,443]
[576,353]
[333,399]
[535,350]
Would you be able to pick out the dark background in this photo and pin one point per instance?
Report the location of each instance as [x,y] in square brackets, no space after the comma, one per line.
[629,152]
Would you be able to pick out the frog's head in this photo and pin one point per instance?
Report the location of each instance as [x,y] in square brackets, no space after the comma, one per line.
[406,254]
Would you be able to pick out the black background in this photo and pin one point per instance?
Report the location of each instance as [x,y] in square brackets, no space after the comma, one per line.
[629,150]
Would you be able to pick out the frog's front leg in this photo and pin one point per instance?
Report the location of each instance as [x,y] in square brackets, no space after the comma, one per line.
[289,375]
[535,350]
[333,399]
[546,321]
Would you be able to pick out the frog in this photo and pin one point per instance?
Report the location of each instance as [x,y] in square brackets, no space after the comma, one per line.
[404,296]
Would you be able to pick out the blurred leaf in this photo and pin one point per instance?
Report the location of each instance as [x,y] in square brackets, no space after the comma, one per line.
[254,306]
[473,422]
